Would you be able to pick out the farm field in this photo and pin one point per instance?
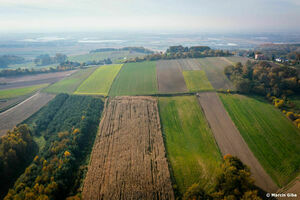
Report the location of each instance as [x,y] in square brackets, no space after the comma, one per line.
[128,159]
[197,81]
[169,77]
[214,69]
[12,93]
[192,152]
[272,137]
[189,64]
[115,56]
[20,112]
[31,65]
[37,79]
[235,59]
[99,82]
[5,104]
[229,139]
[71,83]
[135,79]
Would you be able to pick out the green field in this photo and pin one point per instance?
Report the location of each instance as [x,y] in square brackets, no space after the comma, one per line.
[12,93]
[272,137]
[100,81]
[192,150]
[113,55]
[71,83]
[31,65]
[197,81]
[135,79]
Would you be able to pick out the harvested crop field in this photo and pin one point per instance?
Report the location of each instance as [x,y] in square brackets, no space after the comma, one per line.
[271,136]
[214,69]
[100,81]
[28,80]
[169,77]
[197,81]
[20,112]
[189,64]
[235,59]
[229,139]
[192,151]
[135,79]
[70,83]
[128,159]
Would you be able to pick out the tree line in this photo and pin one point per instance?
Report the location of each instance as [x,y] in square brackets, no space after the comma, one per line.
[131,49]
[69,125]
[177,52]
[6,60]
[45,59]
[264,78]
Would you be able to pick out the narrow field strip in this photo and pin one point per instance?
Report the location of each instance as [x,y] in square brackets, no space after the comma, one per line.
[192,151]
[272,137]
[197,81]
[189,64]
[128,159]
[16,92]
[135,79]
[99,82]
[70,83]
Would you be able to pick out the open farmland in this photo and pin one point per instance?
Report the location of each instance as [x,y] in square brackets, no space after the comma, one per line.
[214,69]
[115,56]
[135,79]
[100,81]
[235,59]
[22,111]
[191,148]
[37,79]
[169,77]
[189,64]
[272,137]
[229,139]
[71,83]
[197,81]
[128,159]
[16,92]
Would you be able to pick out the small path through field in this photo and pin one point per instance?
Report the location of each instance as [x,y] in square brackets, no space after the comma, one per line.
[15,115]
[229,139]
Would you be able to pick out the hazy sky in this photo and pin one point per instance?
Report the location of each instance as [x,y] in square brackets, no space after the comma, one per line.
[149,15]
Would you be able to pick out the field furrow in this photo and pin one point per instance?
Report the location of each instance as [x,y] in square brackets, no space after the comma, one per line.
[128,159]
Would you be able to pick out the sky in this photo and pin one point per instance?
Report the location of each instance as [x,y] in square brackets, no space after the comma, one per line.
[150,15]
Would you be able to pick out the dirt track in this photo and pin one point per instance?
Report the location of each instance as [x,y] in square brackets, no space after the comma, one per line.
[15,115]
[169,77]
[229,139]
[128,159]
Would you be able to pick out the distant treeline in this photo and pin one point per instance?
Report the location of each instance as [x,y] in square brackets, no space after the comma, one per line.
[6,60]
[45,59]
[176,52]
[21,72]
[132,49]
[264,78]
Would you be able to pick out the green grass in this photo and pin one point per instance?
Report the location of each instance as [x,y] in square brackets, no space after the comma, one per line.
[272,137]
[197,81]
[100,81]
[71,83]
[16,92]
[31,65]
[135,79]
[191,148]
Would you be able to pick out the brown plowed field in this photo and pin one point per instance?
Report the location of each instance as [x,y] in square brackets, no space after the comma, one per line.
[28,80]
[15,115]
[169,77]
[189,64]
[128,159]
[229,139]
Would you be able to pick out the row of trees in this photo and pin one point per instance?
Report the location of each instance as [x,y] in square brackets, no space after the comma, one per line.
[264,78]
[6,60]
[131,49]
[176,52]
[68,125]
[234,183]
